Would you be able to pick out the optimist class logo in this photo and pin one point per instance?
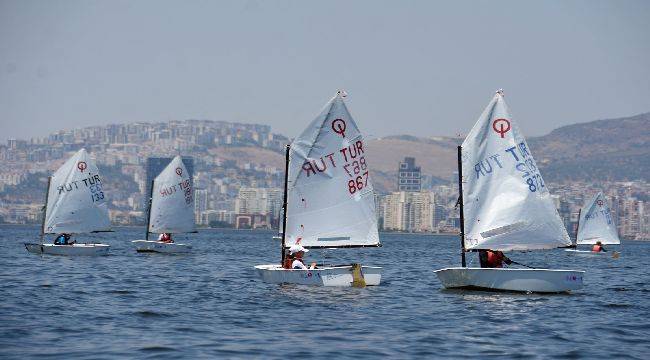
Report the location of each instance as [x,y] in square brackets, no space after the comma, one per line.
[179,171]
[81,165]
[501,127]
[599,202]
[338,125]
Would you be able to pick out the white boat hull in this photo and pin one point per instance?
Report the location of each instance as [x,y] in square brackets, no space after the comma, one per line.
[160,247]
[521,280]
[586,252]
[613,254]
[327,276]
[68,250]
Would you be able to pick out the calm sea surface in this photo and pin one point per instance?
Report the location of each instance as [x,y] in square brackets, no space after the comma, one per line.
[211,304]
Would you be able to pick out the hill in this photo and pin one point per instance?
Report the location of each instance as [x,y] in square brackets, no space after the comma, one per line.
[612,149]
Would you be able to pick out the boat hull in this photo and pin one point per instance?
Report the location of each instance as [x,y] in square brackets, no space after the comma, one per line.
[160,247]
[327,276]
[68,250]
[519,280]
[589,253]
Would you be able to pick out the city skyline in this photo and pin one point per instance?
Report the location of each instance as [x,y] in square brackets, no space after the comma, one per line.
[234,190]
[67,64]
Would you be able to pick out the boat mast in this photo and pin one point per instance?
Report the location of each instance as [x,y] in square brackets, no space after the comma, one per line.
[146,236]
[284,202]
[575,244]
[460,201]
[47,195]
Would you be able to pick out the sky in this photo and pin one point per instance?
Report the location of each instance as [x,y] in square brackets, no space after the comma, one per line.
[425,68]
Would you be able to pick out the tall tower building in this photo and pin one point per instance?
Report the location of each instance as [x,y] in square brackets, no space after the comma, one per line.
[200,203]
[409,176]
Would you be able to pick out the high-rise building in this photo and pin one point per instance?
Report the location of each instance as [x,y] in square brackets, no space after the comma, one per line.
[155,165]
[409,176]
[259,201]
[409,211]
[200,203]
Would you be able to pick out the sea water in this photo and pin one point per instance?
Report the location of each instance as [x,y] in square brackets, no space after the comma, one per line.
[210,303]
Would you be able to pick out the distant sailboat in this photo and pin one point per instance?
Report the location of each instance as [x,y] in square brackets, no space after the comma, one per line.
[75,204]
[505,205]
[171,209]
[329,200]
[595,224]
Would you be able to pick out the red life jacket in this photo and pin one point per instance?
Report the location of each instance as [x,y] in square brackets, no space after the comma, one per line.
[597,248]
[287,262]
[494,259]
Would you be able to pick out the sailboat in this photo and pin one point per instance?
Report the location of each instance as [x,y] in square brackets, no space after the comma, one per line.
[328,200]
[595,224]
[74,204]
[171,209]
[505,206]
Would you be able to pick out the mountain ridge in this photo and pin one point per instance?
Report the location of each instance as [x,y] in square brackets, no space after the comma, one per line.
[604,149]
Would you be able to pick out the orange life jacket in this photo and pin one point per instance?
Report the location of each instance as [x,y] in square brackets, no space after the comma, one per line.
[287,262]
[597,248]
[494,259]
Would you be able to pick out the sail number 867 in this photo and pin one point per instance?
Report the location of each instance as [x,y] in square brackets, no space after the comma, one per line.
[359,183]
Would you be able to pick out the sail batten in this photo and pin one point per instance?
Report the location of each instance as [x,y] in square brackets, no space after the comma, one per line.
[596,223]
[330,196]
[172,200]
[506,203]
[76,201]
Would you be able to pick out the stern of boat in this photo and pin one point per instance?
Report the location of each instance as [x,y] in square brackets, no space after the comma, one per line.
[150,246]
[68,250]
[517,280]
[326,276]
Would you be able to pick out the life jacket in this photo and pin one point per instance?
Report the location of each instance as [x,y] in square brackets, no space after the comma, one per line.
[166,238]
[287,262]
[494,259]
[62,240]
[597,248]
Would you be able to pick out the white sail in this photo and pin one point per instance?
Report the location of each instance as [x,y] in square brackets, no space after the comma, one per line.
[596,223]
[330,195]
[76,202]
[506,203]
[172,200]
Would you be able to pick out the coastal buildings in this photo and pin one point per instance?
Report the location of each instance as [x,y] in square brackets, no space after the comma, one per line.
[408,211]
[238,172]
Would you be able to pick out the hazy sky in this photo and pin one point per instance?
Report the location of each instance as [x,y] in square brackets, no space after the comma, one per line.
[410,67]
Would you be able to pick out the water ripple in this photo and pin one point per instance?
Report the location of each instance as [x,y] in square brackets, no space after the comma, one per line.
[209,304]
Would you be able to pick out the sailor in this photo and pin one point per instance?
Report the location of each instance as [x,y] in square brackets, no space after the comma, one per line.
[492,259]
[288,260]
[598,247]
[63,239]
[166,238]
[297,251]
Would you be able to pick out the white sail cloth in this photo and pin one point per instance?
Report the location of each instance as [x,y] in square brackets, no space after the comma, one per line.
[596,223]
[330,196]
[76,202]
[172,200]
[506,203]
